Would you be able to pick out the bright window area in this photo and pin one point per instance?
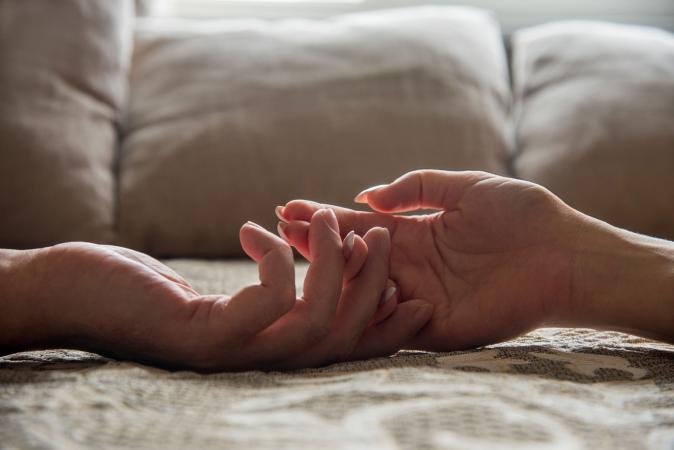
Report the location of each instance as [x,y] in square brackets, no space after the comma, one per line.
[513,14]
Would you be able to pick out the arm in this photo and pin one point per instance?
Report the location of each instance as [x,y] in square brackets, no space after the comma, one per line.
[23,321]
[620,281]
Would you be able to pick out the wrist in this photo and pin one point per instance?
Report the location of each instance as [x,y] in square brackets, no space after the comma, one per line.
[22,316]
[622,281]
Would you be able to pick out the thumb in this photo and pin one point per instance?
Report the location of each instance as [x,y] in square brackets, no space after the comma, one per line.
[420,189]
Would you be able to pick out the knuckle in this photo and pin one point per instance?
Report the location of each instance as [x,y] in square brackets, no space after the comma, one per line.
[379,243]
[385,237]
[284,251]
[539,196]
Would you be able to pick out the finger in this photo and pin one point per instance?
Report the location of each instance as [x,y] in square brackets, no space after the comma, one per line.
[256,307]
[358,221]
[259,244]
[362,295]
[358,303]
[421,189]
[394,333]
[347,244]
[296,233]
[311,318]
[356,258]
[322,285]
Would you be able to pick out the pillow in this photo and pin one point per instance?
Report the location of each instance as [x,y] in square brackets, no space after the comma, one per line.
[62,83]
[229,118]
[595,120]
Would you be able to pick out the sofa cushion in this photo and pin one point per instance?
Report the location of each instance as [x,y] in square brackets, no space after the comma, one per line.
[62,83]
[229,118]
[595,121]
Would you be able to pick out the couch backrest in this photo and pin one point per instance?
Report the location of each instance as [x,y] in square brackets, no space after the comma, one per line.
[594,120]
[209,124]
[63,76]
[228,120]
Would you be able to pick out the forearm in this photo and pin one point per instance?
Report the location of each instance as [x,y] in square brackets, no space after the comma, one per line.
[622,281]
[24,320]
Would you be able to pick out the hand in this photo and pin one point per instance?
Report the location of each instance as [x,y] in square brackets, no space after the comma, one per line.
[120,302]
[495,262]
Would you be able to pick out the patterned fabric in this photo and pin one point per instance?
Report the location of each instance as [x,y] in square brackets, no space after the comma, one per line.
[550,389]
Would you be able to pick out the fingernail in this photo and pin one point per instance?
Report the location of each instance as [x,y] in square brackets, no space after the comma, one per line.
[350,239]
[388,293]
[281,228]
[362,196]
[332,223]
[348,244]
[253,224]
[279,211]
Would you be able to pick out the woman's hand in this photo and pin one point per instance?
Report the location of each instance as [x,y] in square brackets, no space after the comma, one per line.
[504,256]
[123,303]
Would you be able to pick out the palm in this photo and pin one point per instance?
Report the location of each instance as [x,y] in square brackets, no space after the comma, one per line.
[486,267]
[138,301]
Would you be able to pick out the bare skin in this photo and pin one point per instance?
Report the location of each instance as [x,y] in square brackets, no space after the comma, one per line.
[123,303]
[499,258]
[503,256]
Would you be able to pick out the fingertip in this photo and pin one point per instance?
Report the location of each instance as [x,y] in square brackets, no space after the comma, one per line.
[257,241]
[250,224]
[328,216]
[359,242]
[323,229]
[280,213]
[247,231]
[378,237]
[324,239]
[388,293]
[364,196]
[347,244]
[300,210]
[356,259]
[387,303]
[281,229]
[297,234]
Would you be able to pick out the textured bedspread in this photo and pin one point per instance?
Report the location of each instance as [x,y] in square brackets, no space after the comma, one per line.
[550,389]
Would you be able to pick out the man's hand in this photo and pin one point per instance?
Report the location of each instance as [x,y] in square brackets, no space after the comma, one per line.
[501,257]
[123,303]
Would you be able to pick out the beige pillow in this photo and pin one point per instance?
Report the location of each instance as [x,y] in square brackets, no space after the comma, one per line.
[62,82]
[595,107]
[228,119]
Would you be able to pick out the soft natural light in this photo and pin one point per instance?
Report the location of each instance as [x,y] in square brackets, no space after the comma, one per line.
[224,2]
[512,14]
